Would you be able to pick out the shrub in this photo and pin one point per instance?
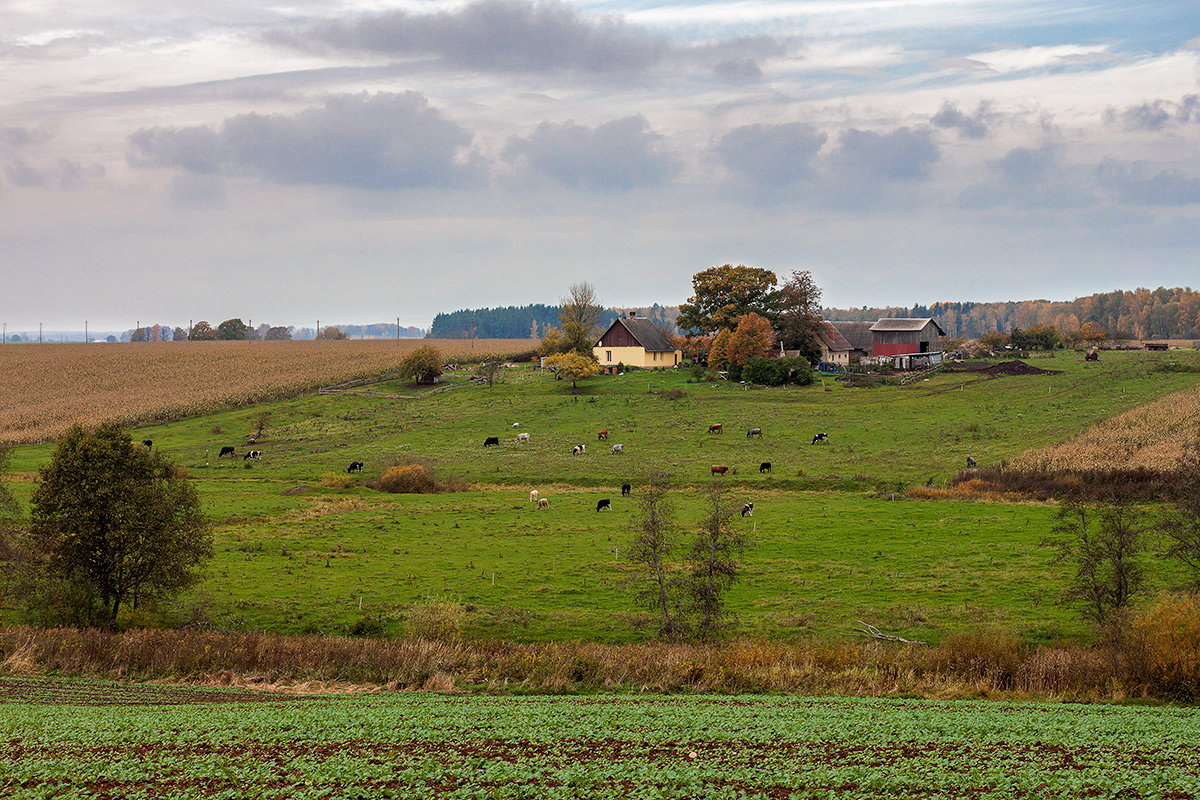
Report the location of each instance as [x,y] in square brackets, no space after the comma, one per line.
[437,619]
[337,481]
[1163,647]
[423,365]
[416,478]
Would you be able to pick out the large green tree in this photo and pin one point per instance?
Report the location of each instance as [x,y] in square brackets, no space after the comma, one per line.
[799,323]
[722,294]
[232,330]
[115,524]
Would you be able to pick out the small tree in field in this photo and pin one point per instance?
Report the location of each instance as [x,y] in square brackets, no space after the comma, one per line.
[115,526]
[332,332]
[714,561]
[1180,522]
[422,365]
[573,367]
[653,546]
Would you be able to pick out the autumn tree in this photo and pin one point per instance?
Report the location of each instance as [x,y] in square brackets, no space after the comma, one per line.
[1091,333]
[718,353]
[752,337]
[116,526]
[202,332]
[422,365]
[573,367]
[714,561]
[232,330]
[179,335]
[277,334]
[331,332]
[579,319]
[800,322]
[653,546]
[722,294]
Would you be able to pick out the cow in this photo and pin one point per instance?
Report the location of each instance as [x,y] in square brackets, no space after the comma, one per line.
[970,461]
[618,448]
[522,437]
[754,432]
[748,510]
[533,496]
[603,504]
[252,454]
[516,424]
[578,449]
[491,441]
[226,451]
[714,428]
[543,503]
[602,436]
[626,489]
[764,467]
[355,466]
[718,469]
[148,444]
[820,437]
[1091,355]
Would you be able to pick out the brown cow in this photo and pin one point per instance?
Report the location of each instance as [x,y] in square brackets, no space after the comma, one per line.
[602,436]
[718,469]
[714,428]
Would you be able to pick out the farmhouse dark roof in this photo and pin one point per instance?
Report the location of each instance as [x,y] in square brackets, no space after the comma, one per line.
[858,334]
[905,324]
[834,341]
[645,332]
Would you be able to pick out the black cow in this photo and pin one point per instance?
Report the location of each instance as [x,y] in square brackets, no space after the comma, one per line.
[147,443]
[603,504]
[355,466]
[491,440]
[748,510]
[820,437]
[970,461]
[754,432]
[252,454]
[226,451]
[764,467]
[626,489]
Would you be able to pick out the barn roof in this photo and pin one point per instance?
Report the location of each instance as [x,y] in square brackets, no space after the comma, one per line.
[858,334]
[834,341]
[645,332]
[905,324]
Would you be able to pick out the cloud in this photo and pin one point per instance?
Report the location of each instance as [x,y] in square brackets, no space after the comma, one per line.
[905,154]
[618,155]
[20,173]
[969,127]
[380,141]
[772,156]
[499,35]
[1155,115]
[737,70]
[1135,184]
[1031,178]
[15,137]
[64,174]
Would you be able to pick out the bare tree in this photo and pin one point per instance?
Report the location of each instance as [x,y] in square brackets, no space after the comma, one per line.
[1180,524]
[579,318]
[714,561]
[487,371]
[653,544]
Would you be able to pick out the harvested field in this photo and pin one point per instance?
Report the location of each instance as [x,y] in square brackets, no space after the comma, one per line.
[1013,367]
[47,388]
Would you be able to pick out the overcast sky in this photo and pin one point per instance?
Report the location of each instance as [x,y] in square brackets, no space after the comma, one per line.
[365,160]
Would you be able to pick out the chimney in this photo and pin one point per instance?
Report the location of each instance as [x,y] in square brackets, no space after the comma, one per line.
[632,314]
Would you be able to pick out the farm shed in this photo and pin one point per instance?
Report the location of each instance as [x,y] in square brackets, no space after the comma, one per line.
[858,335]
[635,342]
[908,342]
[835,349]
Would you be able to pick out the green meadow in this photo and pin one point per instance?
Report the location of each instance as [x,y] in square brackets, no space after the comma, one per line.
[834,540]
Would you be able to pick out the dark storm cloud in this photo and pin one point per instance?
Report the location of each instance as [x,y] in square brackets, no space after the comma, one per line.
[1155,115]
[500,35]
[618,155]
[381,141]
[1136,184]
[772,156]
[968,127]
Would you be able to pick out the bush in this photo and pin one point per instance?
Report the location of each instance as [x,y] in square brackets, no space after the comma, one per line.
[437,619]
[422,365]
[1162,647]
[416,478]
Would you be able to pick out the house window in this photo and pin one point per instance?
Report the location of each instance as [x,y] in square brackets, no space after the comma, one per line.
[608,354]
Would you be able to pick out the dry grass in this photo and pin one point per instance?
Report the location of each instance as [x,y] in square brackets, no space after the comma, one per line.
[1151,437]
[48,388]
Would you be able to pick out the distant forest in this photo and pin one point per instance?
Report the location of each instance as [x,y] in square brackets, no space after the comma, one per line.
[526,322]
[1140,314]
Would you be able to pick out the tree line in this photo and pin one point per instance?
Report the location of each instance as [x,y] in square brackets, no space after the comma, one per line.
[237,330]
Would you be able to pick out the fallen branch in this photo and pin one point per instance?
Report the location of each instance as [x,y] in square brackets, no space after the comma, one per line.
[871,632]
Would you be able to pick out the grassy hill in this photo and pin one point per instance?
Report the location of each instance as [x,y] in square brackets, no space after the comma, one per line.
[302,546]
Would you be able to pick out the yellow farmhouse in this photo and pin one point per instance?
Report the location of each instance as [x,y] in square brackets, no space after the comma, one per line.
[635,342]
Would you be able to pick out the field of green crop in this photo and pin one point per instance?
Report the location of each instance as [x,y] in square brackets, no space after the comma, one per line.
[297,553]
[57,741]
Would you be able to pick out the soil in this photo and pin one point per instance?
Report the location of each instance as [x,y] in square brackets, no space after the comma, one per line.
[56,691]
[1014,367]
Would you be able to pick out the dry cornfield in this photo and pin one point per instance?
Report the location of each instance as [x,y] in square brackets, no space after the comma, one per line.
[47,388]
[1152,437]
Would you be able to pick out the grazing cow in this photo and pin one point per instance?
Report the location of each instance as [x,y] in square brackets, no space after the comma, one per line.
[970,461]
[820,437]
[618,448]
[543,503]
[748,510]
[578,449]
[226,451]
[754,432]
[626,489]
[516,424]
[355,466]
[603,504]
[602,436]
[522,437]
[764,467]
[1091,355]
[252,454]
[147,443]
[533,496]
[491,440]
[718,469]
[714,428]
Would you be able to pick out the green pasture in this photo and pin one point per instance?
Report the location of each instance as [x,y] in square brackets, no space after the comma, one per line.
[410,745]
[831,546]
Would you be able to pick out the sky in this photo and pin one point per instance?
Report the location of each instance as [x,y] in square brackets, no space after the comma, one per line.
[369,160]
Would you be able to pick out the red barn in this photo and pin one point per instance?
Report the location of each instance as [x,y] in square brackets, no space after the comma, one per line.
[908,342]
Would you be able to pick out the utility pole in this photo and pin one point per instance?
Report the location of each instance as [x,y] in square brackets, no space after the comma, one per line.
[397,330]
[85,333]
[39,333]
